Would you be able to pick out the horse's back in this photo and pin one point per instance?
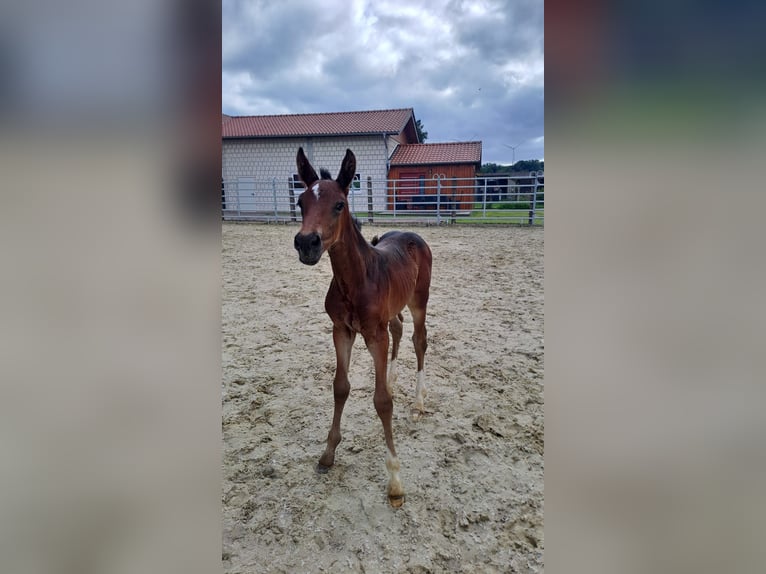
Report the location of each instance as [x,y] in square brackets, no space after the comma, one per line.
[404,242]
[406,250]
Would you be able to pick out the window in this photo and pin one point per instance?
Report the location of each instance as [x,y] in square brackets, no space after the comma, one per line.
[297,183]
[356,184]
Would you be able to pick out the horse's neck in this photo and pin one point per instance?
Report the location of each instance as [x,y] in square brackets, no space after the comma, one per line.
[349,258]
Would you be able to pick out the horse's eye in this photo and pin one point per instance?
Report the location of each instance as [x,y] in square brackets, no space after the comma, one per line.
[339,206]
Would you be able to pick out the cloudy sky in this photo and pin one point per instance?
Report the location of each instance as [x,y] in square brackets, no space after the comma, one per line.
[470,69]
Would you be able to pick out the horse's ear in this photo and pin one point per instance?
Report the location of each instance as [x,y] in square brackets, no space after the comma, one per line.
[347,171]
[305,171]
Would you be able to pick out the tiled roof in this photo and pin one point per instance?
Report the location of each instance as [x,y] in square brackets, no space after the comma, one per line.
[437,153]
[326,124]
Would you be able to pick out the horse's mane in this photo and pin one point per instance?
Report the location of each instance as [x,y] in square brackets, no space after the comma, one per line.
[358,227]
[324,174]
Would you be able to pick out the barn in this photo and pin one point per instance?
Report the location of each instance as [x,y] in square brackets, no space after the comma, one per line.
[258,157]
[418,172]
[258,150]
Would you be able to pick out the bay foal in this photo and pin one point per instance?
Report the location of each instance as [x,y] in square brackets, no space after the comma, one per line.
[371,285]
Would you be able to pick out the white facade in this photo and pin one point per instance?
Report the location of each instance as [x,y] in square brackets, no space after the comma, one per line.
[270,162]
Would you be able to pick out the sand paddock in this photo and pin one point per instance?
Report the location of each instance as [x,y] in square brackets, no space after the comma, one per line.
[472,466]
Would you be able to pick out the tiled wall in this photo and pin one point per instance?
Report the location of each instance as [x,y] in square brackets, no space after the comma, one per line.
[275,157]
[267,158]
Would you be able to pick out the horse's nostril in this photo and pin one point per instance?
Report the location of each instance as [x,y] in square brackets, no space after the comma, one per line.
[307,242]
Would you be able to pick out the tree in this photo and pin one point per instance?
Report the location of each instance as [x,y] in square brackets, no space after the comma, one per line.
[494,168]
[522,166]
[527,165]
[422,134]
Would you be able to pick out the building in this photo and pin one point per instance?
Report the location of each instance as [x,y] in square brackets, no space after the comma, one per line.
[509,187]
[259,172]
[418,171]
[259,149]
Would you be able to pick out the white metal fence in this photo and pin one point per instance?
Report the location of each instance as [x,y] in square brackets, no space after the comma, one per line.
[484,199]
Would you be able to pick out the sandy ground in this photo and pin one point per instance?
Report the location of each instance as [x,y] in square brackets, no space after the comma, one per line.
[472,466]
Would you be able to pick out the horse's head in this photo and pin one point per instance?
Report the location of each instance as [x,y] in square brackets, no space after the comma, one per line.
[324,207]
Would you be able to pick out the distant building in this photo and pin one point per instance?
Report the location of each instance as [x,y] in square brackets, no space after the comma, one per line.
[507,186]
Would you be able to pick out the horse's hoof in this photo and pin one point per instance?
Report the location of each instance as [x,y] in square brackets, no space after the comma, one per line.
[417,414]
[322,469]
[396,501]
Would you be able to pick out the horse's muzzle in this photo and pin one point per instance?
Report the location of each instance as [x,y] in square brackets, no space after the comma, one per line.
[309,247]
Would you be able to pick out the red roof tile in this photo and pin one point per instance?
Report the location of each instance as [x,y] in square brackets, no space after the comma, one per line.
[437,153]
[326,124]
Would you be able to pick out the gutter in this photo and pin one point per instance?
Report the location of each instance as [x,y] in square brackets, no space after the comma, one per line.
[385,146]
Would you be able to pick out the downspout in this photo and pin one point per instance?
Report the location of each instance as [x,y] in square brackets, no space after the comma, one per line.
[388,170]
[385,147]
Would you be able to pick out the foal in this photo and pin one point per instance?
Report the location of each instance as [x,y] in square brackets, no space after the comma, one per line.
[370,287]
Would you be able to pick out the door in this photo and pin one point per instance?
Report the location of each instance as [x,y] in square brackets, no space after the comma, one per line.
[246,200]
[412,184]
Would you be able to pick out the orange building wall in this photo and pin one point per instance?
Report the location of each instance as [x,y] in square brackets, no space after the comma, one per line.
[459,192]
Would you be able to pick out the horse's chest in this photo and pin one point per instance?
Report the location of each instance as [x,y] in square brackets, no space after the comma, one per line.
[355,323]
[359,311]
[352,317]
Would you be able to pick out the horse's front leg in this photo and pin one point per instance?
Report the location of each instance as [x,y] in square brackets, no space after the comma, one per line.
[343,338]
[377,344]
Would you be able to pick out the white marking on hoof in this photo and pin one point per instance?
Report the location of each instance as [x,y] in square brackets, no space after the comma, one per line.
[394,484]
[420,391]
[391,378]
[315,189]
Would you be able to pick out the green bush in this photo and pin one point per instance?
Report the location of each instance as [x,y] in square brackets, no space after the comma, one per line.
[512,205]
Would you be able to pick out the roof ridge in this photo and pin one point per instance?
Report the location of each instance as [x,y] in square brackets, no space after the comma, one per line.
[323,113]
[443,143]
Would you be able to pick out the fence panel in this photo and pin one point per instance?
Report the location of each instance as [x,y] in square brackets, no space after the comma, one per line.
[441,200]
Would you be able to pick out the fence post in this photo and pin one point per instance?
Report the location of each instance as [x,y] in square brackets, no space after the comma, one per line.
[438,199]
[369,200]
[274,192]
[534,199]
[223,199]
[453,211]
[291,195]
[484,201]
[239,210]
[393,195]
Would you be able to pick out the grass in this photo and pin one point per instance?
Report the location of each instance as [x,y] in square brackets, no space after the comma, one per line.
[493,216]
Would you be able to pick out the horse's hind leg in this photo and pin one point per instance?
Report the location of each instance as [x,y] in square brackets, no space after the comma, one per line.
[421,344]
[343,338]
[395,327]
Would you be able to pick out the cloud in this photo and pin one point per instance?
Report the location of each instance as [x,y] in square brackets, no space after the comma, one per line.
[471,69]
